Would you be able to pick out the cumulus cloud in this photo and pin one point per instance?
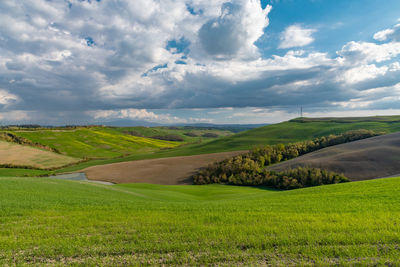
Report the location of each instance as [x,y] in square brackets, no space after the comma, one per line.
[235,30]
[142,114]
[89,60]
[296,36]
[364,52]
[388,34]
[7,98]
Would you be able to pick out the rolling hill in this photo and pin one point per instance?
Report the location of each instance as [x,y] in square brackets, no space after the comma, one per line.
[359,160]
[293,131]
[57,222]
[93,142]
[111,142]
[112,145]
[20,155]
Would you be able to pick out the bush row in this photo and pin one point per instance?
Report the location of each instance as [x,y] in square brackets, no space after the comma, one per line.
[249,168]
[169,137]
[290,179]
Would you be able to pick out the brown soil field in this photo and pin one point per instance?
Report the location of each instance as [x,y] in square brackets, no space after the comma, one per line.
[15,154]
[168,171]
[370,158]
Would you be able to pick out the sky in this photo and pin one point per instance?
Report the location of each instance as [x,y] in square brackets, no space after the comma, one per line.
[197,61]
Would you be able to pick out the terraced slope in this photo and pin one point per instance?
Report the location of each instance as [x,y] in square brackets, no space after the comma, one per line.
[55,222]
[14,154]
[360,160]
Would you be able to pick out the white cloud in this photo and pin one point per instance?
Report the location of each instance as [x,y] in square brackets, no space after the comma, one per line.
[233,33]
[393,33]
[296,36]
[6,97]
[136,114]
[118,59]
[364,52]
[362,73]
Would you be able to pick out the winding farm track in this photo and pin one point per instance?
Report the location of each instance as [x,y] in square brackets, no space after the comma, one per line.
[167,171]
[370,158]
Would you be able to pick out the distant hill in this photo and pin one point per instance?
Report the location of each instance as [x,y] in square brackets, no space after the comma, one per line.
[370,158]
[236,128]
[293,131]
[229,127]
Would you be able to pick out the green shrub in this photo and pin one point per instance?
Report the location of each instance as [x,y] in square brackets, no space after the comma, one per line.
[169,137]
[249,168]
[210,135]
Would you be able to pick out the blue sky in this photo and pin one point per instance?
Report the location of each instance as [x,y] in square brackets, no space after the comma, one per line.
[193,61]
[338,22]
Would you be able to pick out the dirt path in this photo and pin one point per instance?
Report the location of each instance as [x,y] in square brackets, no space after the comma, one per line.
[168,171]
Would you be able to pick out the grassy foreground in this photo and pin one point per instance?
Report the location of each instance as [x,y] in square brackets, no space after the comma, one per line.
[48,221]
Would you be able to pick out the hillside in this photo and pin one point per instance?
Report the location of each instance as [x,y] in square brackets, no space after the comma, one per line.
[56,222]
[294,131]
[93,142]
[20,155]
[110,142]
[112,145]
[359,160]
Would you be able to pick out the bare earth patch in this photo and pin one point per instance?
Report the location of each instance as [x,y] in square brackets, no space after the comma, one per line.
[15,154]
[370,158]
[168,171]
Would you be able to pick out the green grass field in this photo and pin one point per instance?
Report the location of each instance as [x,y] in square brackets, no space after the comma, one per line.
[56,222]
[179,131]
[112,142]
[291,131]
[94,142]
[15,172]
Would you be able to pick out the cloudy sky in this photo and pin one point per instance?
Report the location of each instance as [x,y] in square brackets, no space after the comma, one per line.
[190,61]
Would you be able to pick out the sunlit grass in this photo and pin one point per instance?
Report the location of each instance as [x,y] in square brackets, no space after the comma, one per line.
[47,221]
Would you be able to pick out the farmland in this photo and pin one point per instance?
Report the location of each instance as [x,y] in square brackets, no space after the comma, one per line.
[285,132]
[364,159]
[19,155]
[48,221]
[294,131]
[94,142]
[173,170]
[107,145]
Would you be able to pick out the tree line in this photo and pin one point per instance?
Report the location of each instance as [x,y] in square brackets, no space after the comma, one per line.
[250,168]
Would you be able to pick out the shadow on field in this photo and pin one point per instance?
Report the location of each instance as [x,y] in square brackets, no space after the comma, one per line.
[370,158]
